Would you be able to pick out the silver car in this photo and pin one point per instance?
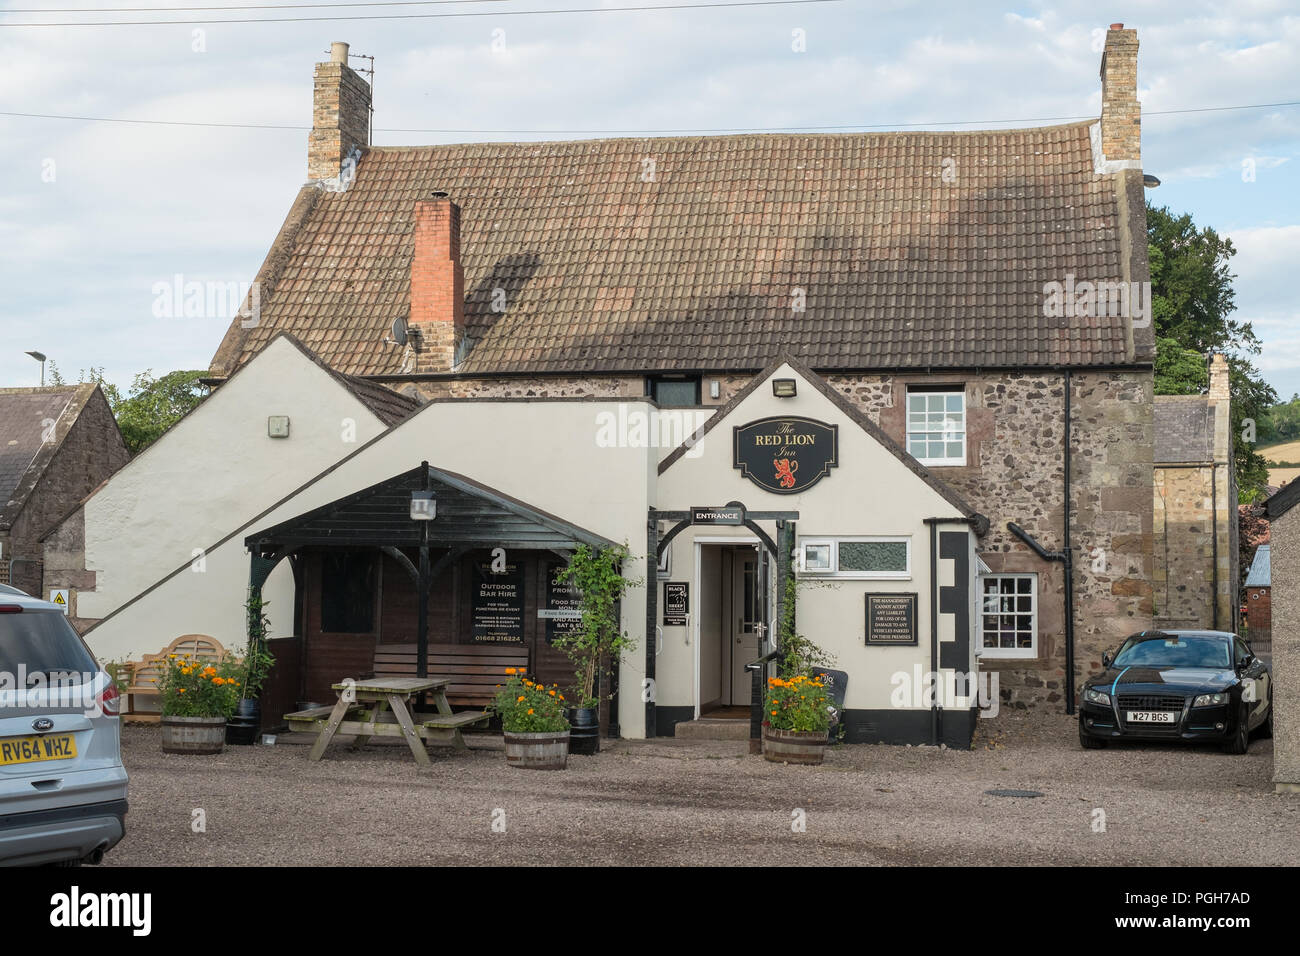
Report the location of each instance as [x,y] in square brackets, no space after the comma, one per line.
[62,783]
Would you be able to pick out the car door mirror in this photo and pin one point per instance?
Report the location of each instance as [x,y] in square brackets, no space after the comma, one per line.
[1245,662]
[1106,659]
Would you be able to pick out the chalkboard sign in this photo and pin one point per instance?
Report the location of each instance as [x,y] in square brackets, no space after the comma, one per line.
[560,597]
[677,603]
[891,619]
[498,605]
[837,685]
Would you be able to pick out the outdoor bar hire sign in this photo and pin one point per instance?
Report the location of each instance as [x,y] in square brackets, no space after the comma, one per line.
[785,455]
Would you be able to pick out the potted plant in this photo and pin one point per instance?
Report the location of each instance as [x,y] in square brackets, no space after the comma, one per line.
[597,640]
[197,699]
[246,720]
[796,720]
[532,718]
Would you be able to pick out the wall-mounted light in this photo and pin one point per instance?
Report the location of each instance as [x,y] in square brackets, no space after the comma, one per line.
[424,507]
[277,426]
[1149,181]
[715,389]
[783,387]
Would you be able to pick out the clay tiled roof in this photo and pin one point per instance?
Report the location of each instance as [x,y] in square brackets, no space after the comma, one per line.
[914,250]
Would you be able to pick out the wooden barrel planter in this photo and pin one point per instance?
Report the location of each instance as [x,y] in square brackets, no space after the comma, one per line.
[794,746]
[193,735]
[537,751]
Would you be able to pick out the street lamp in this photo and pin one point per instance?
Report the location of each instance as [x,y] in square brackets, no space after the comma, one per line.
[40,357]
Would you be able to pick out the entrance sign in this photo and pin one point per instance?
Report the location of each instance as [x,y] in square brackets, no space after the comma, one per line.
[498,605]
[728,514]
[563,611]
[677,603]
[785,455]
[891,619]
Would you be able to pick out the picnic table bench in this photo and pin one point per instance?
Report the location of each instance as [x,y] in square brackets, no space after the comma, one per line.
[378,707]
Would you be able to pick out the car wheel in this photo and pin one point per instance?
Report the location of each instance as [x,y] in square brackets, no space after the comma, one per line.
[1239,742]
[1266,728]
[1090,743]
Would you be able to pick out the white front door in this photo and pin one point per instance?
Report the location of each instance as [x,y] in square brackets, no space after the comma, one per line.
[746,623]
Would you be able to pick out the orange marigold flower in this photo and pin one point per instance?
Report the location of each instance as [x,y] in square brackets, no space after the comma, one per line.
[773,713]
[552,693]
[510,670]
[530,710]
[519,698]
[180,690]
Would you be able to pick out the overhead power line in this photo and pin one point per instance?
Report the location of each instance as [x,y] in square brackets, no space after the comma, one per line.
[425,16]
[257,6]
[645,132]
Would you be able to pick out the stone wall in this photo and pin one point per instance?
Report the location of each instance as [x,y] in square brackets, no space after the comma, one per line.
[1015,428]
[1285,539]
[1186,528]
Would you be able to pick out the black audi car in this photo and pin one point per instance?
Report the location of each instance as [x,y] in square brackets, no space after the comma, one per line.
[1179,685]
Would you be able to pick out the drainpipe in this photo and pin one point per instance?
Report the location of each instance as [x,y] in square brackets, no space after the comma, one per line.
[1214,538]
[1069,559]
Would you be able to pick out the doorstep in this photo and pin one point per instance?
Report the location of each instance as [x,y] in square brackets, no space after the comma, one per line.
[712,728]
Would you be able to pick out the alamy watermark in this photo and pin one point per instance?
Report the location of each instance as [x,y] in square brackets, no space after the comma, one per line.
[1071,299]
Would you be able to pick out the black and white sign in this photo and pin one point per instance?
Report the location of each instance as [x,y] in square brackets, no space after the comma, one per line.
[563,609]
[727,514]
[677,603]
[498,605]
[891,619]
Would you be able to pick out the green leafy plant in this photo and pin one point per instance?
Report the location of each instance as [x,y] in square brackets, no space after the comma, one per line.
[527,707]
[257,660]
[598,576]
[800,703]
[800,657]
[118,668]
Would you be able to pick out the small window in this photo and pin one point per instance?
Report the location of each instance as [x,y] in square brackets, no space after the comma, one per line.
[1009,615]
[674,390]
[936,427]
[857,557]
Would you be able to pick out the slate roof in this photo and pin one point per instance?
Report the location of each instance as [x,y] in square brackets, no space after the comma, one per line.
[1260,574]
[1184,430]
[26,415]
[604,271]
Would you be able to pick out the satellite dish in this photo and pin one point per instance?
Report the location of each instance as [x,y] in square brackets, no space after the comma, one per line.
[399,330]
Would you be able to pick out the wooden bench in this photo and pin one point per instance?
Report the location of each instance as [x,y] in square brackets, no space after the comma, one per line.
[474,670]
[146,671]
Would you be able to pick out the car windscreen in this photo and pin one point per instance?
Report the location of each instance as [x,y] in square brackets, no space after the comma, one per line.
[1181,651]
[42,646]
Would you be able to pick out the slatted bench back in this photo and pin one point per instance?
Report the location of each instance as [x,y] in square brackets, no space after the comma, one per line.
[474,669]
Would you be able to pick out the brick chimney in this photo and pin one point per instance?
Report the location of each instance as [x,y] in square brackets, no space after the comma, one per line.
[340,115]
[437,283]
[1219,384]
[1121,114]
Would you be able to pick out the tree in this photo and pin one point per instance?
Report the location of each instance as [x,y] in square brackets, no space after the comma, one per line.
[1192,301]
[152,405]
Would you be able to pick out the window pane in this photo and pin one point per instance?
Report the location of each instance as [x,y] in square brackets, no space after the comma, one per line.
[954,449]
[954,402]
[881,556]
[674,392]
[934,403]
[817,557]
[347,593]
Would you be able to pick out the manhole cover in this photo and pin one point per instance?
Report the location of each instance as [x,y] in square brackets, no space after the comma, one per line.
[1014,793]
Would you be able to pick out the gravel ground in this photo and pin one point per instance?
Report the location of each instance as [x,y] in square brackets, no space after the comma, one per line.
[669,802]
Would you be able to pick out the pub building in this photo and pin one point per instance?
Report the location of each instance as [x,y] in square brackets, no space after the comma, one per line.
[822,358]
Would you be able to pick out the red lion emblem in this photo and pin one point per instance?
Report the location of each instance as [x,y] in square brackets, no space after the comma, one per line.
[785,469]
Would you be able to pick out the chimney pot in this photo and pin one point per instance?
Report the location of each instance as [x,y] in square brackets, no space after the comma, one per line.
[1117,26]
[338,52]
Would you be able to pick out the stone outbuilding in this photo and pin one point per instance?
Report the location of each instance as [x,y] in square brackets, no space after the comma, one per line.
[57,444]
[1195,509]
[1259,593]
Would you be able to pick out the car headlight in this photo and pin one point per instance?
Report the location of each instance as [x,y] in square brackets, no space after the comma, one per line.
[1096,696]
[1209,700]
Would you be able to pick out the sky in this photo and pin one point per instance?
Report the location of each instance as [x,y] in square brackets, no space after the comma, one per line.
[97,218]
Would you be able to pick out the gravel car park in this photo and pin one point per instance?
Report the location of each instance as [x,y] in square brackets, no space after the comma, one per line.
[671,802]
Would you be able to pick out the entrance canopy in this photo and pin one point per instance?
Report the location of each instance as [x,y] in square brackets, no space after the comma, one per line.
[466,515]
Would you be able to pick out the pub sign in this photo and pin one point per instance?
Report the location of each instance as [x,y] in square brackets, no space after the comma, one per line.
[785,455]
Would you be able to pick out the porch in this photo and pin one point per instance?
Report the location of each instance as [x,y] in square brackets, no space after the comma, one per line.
[423,573]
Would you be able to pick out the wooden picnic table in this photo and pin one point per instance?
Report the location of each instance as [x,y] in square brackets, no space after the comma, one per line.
[380,707]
